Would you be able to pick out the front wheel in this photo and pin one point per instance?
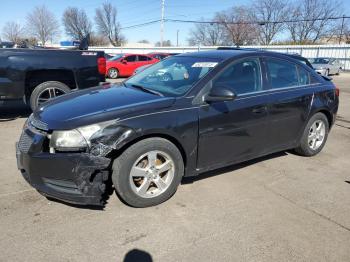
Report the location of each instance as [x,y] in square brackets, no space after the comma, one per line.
[315,135]
[148,172]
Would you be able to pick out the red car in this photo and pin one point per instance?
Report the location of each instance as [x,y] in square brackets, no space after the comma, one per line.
[124,65]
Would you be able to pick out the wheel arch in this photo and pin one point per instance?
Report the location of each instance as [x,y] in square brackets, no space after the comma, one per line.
[328,114]
[36,77]
[115,153]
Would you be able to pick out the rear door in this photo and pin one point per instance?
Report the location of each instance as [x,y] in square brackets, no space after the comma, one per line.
[290,98]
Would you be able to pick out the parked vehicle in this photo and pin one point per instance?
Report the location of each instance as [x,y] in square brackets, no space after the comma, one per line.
[327,66]
[146,133]
[124,65]
[159,56]
[38,75]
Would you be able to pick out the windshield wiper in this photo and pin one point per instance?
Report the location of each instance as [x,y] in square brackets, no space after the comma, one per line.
[147,90]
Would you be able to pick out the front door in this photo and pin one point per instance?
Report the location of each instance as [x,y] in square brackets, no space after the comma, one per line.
[233,131]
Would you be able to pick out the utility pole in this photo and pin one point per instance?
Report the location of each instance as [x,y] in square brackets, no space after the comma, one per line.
[177,37]
[341,31]
[162,24]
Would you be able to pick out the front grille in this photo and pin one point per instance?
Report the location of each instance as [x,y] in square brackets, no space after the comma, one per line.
[25,142]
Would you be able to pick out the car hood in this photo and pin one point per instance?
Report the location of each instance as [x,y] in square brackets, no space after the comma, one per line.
[98,104]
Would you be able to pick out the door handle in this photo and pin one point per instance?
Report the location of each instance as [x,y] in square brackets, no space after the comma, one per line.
[259,109]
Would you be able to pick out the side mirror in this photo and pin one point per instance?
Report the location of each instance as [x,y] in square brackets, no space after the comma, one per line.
[124,61]
[220,93]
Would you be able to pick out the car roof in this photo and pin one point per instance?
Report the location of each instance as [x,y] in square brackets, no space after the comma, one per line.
[218,54]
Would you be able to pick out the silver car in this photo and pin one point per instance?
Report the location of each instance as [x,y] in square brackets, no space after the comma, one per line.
[327,66]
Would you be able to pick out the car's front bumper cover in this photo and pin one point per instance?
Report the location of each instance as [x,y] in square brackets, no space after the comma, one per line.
[77,178]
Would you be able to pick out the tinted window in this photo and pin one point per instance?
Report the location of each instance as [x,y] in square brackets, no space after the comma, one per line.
[282,73]
[243,76]
[304,76]
[144,58]
[131,58]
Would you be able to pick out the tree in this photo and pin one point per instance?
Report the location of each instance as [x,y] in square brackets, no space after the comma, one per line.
[13,32]
[107,24]
[315,16]
[267,12]
[76,23]
[165,43]
[98,40]
[208,35]
[238,24]
[143,41]
[42,24]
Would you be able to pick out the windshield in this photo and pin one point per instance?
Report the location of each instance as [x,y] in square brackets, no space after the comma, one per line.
[173,76]
[116,57]
[321,61]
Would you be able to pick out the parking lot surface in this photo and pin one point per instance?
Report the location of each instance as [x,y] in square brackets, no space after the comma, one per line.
[282,207]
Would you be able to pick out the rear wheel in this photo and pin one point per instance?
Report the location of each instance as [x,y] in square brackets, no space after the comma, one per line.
[315,135]
[148,172]
[113,73]
[47,91]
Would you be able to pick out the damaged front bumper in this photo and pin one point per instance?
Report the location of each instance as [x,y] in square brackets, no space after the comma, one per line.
[78,178]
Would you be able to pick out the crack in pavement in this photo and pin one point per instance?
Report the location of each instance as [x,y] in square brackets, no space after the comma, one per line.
[307,209]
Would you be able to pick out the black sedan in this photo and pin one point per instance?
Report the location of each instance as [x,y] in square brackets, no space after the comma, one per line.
[214,109]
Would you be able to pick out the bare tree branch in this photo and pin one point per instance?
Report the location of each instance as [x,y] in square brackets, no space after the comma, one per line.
[267,12]
[76,23]
[13,32]
[316,23]
[235,21]
[208,35]
[107,24]
[42,24]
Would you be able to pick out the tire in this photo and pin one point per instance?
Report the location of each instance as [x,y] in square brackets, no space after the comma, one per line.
[113,73]
[305,149]
[47,91]
[128,187]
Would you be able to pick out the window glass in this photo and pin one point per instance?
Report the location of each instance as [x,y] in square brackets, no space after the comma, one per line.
[242,76]
[282,73]
[144,58]
[131,58]
[173,76]
[304,76]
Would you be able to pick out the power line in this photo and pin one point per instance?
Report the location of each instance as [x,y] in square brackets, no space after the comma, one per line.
[234,23]
[141,25]
[256,22]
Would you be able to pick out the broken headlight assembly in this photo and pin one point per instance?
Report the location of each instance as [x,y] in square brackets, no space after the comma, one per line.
[78,139]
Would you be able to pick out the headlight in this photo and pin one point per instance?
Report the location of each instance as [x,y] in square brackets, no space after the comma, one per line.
[76,139]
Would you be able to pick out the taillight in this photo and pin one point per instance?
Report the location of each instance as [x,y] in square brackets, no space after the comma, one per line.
[101,65]
[337,91]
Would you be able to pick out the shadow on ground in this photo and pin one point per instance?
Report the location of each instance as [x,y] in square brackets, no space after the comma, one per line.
[136,255]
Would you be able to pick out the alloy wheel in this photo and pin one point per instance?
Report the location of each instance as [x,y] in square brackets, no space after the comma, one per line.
[317,134]
[152,174]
